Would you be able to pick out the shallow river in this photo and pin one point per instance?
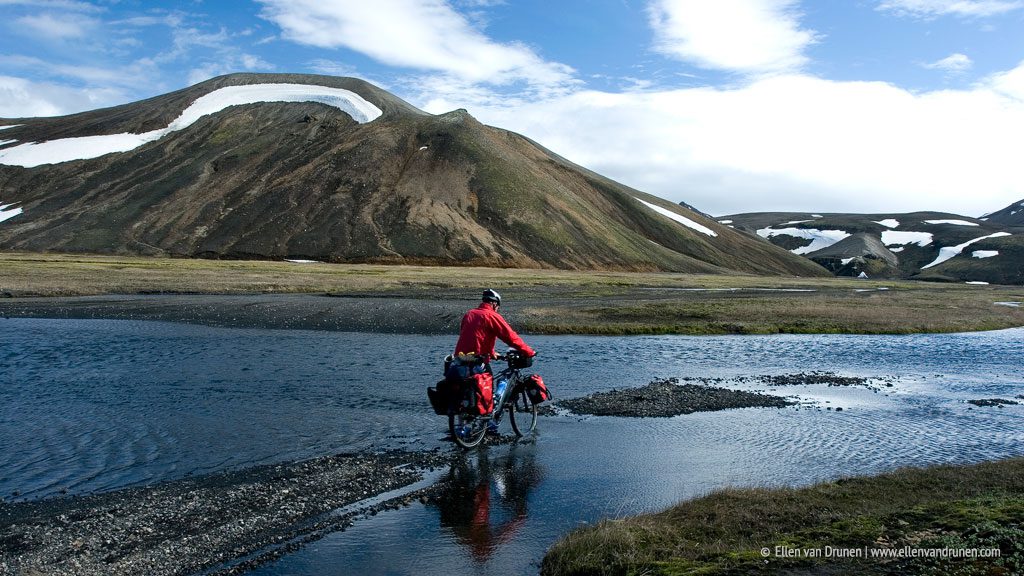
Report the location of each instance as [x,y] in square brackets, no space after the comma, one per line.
[94,405]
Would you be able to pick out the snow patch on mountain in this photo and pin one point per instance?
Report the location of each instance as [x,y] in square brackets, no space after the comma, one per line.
[819,238]
[679,218]
[891,238]
[888,222]
[6,142]
[5,213]
[67,149]
[985,253]
[9,126]
[948,252]
[956,222]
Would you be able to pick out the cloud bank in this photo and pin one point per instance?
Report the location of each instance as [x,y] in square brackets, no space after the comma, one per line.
[793,142]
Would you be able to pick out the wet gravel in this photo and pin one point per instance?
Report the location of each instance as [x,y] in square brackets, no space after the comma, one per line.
[998,402]
[663,398]
[805,379]
[218,524]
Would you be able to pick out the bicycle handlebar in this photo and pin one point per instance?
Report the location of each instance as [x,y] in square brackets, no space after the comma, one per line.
[505,356]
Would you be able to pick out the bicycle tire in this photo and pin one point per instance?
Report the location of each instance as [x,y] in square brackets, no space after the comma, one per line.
[473,436]
[522,405]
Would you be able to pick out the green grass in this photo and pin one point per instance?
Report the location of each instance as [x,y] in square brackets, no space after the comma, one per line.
[554,301]
[959,507]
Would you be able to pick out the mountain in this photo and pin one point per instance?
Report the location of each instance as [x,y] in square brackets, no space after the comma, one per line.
[247,166]
[919,245]
[1011,217]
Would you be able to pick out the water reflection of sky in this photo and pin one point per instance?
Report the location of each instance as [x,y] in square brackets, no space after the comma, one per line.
[89,405]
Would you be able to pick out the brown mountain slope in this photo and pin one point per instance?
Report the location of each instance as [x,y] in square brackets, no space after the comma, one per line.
[304,180]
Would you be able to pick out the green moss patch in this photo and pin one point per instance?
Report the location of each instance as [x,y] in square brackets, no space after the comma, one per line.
[963,520]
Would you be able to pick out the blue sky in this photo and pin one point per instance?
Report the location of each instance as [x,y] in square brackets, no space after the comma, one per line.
[729,105]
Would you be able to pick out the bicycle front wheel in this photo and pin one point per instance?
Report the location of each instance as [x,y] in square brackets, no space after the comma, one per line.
[467,431]
[527,412]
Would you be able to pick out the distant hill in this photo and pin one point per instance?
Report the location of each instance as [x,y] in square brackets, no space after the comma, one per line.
[920,245]
[1011,217]
[225,169]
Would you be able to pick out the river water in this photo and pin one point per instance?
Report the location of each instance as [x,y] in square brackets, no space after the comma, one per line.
[95,405]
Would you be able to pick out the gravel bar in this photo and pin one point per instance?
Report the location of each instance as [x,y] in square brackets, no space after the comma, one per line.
[663,398]
[217,524]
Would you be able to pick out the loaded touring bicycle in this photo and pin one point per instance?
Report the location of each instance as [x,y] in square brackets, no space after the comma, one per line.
[479,400]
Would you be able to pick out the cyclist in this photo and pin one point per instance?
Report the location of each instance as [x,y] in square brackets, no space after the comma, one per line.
[483,325]
[480,328]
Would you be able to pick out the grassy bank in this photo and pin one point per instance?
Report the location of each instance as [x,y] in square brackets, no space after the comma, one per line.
[553,301]
[752,531]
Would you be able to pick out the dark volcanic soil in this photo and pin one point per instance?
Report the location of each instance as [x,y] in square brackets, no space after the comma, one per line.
[663,398]
[224,522]
[273,311]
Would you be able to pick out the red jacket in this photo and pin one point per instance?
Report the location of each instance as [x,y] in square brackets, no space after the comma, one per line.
[480,327]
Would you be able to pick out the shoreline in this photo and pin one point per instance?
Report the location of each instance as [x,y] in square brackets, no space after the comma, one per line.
[537,312]
[258,311]
[432,299]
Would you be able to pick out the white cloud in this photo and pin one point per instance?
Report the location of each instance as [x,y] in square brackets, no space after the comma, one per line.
[57,26]
[62,4]
[954,63]
[227,65]
[419,34]
[331,68]
[1007,84]
[791,142]
[21,98]
[124,77]
[965,8]
[746,36]
[253,62]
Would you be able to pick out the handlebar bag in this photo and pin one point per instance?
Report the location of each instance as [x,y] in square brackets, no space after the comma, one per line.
[520,360]
[537,390]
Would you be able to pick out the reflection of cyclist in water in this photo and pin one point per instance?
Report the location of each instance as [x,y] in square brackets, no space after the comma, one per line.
[487,501]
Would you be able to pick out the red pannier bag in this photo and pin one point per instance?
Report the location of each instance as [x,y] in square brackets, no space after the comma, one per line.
[537,390]
[477,394]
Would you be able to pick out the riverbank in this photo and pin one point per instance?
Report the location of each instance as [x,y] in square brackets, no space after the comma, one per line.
[226,523]
[413,299]
[839,527]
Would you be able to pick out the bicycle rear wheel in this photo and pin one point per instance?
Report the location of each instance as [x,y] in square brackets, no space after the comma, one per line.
[527,413]
[467,431]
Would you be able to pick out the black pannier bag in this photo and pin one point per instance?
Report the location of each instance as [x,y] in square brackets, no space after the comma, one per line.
[471,395]
[442,396]
[536,390]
